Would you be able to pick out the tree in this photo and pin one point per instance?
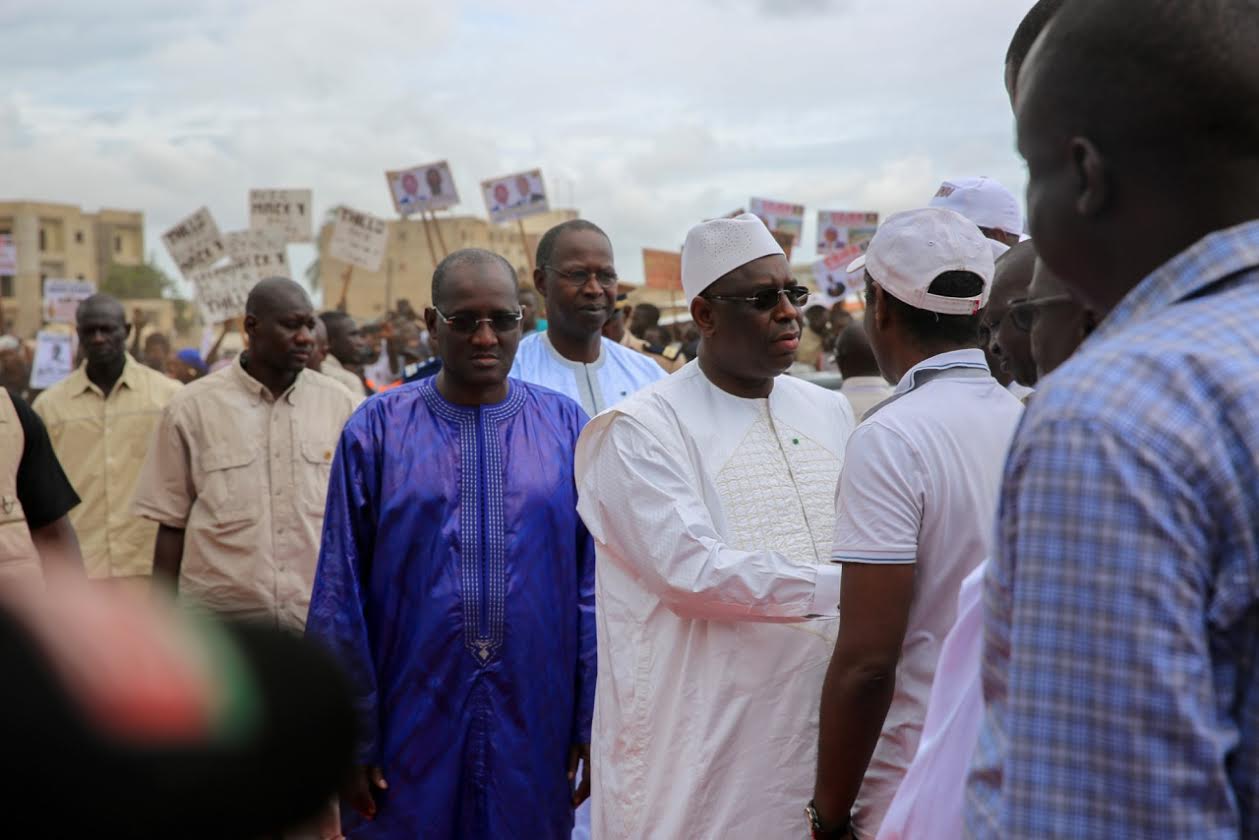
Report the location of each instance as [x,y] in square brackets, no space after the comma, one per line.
[138,282]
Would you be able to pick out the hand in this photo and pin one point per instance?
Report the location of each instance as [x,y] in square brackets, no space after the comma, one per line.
[357,791]
[579,753]
[138,318]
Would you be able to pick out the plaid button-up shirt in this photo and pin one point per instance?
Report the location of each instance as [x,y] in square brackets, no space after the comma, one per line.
[1122,604]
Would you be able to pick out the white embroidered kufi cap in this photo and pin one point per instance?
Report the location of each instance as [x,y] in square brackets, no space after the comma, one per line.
[717,247]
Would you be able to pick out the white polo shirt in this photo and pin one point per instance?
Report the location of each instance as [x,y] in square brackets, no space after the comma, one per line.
[919,485]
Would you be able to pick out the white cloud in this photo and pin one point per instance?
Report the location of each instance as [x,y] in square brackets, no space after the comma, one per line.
[652,114]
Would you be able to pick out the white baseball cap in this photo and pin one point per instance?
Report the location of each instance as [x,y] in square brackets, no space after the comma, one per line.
[982,200]
[912,249]
[717,247]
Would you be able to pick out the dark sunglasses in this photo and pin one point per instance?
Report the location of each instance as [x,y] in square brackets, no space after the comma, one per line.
[467,323]
[1023,312]
[767,299]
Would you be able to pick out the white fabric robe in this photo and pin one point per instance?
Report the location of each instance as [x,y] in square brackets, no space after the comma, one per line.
[712,518]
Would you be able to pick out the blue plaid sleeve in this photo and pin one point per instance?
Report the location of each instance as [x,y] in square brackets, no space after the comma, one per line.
[1103,719]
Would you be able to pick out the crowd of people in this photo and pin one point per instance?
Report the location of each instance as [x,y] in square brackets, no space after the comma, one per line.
[587,576]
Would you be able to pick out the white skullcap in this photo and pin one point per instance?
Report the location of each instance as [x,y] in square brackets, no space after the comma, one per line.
[716,248]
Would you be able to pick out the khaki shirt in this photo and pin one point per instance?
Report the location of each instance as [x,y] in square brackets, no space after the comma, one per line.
[101,443]
[245,475]
[333,369]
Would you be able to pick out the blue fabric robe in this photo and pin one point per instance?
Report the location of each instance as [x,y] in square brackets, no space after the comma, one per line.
[456,584]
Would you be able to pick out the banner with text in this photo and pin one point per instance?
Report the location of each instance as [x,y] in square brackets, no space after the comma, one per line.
[266,255]
[54,358]
[511,197]
[62,298]
[221,291]
[429,186]
[837,230]
[359,239]
[194,242]
[784,220]
[830,274]
[284,214]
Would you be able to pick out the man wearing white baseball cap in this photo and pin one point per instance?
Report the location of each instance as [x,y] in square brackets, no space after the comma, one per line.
[917,500]
[710,496]
[986,203]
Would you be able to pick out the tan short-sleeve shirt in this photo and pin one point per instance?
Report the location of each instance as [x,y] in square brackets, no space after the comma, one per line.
[246,475]
[101,443]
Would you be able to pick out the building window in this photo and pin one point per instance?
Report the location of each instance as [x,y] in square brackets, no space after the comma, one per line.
[78,237]
[117,244]
[43,239]
[6,285]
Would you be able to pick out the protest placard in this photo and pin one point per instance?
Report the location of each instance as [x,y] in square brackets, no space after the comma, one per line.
[54,358]
[8,255]
[830,275]
[194,242]
[62,297]
[429,186]
[221,291]
[359,239]
[662,269]
[837,229]
[284,214]
[515,196]
[258,249]
[781,217]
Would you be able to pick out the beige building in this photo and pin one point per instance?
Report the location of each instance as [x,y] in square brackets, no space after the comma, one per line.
[413,253]
[61,241]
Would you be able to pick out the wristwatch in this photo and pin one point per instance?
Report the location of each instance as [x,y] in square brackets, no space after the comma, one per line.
[818,831]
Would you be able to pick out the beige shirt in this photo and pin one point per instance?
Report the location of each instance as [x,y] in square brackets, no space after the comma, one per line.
[332,367]
[101,443]
[865,392]
[245,475]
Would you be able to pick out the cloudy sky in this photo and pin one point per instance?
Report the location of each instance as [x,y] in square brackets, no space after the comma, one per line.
[648,115]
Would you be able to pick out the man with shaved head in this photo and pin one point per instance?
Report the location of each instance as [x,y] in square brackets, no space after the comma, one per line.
[462,605]
[237,470]
[100,419]
[1121,604]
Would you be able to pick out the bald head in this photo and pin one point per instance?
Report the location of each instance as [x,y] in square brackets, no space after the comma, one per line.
[1013,274]
[100,306]
[1185,73]
[1136,118]
[275,294]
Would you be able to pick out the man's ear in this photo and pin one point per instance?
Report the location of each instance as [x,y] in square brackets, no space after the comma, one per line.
[430,320]
[1092,177]
[539,283]
[704,316]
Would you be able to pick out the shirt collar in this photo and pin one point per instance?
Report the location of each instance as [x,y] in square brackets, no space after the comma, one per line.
[79,382]
[555,354]
[256,390]
[1211,259]
[969,358]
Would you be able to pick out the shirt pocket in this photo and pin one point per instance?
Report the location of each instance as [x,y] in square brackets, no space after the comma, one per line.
[231,483]
[315,468]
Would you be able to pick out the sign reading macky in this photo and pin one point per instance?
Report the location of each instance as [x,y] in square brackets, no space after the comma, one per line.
[359,239]
[283,214]
[194,242]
